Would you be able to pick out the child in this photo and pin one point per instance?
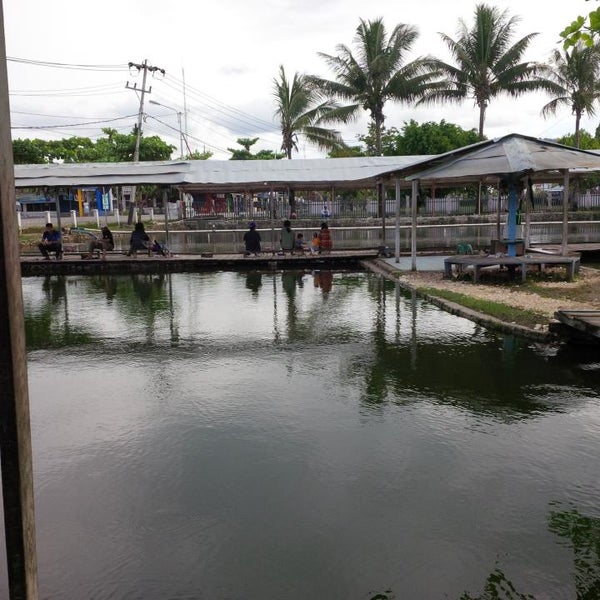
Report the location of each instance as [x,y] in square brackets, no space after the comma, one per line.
[316,243]
[299,243]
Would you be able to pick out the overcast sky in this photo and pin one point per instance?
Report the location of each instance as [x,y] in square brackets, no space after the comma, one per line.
[225,54]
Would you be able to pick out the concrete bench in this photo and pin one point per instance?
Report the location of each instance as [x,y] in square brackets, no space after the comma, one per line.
[571,264]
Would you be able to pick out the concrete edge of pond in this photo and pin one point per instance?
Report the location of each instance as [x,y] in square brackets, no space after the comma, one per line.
[492,323]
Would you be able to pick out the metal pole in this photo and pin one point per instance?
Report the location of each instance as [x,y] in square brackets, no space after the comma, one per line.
[397,229]
[565,223]
[180,135]
[166,206]
[15,438]
[413,229]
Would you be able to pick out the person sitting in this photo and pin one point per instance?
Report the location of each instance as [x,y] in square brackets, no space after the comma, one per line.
[51,242]
[325,243]
[299,243]
[315,245]
[287,237]
[252,240]
[139,240]
[104,243]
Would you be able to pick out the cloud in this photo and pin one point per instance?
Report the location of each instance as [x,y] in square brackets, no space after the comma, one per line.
[230,51]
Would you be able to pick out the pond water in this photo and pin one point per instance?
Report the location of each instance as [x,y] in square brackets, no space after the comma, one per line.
[302,435]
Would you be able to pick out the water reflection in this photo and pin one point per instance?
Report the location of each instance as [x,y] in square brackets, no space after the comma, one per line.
[254,282]
[47,323]
[398,344]
[183,454]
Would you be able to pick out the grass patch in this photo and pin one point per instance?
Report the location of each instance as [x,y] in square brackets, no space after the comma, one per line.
[503,312]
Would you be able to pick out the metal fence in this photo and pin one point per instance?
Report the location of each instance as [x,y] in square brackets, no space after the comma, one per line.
[238,208]
[429,237]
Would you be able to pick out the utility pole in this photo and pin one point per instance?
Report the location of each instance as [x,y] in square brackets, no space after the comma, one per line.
[145,67]
[185,110]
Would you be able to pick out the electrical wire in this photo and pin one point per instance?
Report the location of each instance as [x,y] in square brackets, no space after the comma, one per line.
[74,124]
[57,65]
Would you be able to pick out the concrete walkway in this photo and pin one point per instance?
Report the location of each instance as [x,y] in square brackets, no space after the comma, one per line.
[424,263]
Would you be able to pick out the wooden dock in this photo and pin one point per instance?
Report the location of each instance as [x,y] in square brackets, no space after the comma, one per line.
[73,264]
[582,326]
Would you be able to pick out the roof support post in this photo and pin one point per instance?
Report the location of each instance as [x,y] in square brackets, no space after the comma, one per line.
[413,227]
[397,227]
[165,199]
[512,217]
[565,223]
[499,201]
[383,193]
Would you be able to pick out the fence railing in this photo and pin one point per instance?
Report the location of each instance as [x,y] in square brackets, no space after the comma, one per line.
[429,237]
[543,202]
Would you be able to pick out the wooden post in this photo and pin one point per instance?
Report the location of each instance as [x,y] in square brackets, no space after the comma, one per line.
[15,435]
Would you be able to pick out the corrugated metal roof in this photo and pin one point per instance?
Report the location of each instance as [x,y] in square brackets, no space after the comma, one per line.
[513,154]
[222,174]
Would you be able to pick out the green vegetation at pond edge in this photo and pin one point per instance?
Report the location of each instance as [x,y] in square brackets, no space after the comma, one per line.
[503,312]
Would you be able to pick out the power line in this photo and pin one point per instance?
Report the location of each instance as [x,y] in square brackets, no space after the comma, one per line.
[191,136]
[73,124]
[57,65]
[92,91]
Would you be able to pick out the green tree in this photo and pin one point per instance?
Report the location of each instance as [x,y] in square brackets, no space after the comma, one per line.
[301,110]
[114,147]
[486,64]
[30,152]
[245,153]
[376,72]
[347,152]
[576,73]
[584,29]
[72,150]
[423,138]
[586,141]
[119,147]
[197,155]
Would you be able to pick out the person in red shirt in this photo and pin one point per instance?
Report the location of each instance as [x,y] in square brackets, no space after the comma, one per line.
[325,243]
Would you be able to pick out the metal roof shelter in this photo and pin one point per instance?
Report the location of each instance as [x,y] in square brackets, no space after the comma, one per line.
[222,175]
[512,161]
[509,160]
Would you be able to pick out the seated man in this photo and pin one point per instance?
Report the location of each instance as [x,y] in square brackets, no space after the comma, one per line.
[106,242]
[139,240]
[51,242]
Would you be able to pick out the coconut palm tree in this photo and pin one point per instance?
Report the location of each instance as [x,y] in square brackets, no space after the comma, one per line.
[576,71]
[487,64]
[376,72]
[302,110]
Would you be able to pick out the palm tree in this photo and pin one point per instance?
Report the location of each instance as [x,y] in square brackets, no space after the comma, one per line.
[576,72]
[376,72]
[302,111]
[486,64]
